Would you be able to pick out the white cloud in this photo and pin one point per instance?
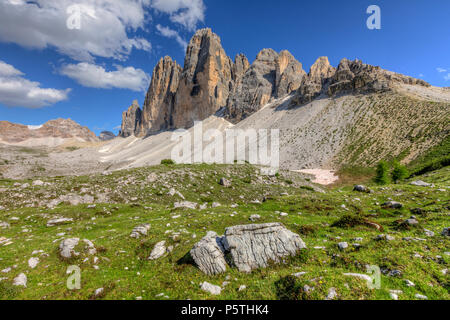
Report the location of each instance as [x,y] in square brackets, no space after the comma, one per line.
[447,77]
[16,91]
[441,70]
[104,26]
[188,13]
[169,33]
[94,76]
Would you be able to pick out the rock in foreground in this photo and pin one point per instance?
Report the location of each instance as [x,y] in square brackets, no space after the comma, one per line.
[254,246]
[250,247]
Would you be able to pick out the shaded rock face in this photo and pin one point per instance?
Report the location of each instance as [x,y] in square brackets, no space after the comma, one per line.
[13,133]
[349,77]
[159,102]
[255,88]
[106,136]
[250,247]
[289,74]
[205,81]
[271,75]
[318,78]
[209,256]
[131,120]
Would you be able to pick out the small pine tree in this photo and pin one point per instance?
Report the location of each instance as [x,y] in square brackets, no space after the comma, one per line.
[382,176]
[399,172]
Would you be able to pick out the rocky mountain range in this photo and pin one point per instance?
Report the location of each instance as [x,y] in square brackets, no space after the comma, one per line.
[211,82]
[51,133]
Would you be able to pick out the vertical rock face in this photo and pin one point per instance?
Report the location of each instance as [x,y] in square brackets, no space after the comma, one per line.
[131,120]
[255,88]
[318,77]
[289,74]
[272,75]
[240,66]
[205,81]
[159,102]
[210,81]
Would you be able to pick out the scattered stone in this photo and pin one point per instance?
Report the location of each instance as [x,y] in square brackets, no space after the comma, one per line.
[215,205]
[283,214]
[361,188]
[20,280]
[394,296]
[208,287]
[225,182]
[394,273]
[242,288]
[99,292]
[185,204]
[420,183]
[172,192]
[411,222]
[33,262]
[6,270]
[429,233]
[392,205]
[410,283]
[58,221]
[332,294]
[4,225]
[446,232]
[420,296]
[359,275]
[343,245]
[139,231]
[158,251]
[299,274]
[255,217]
[38,183]
[67,248]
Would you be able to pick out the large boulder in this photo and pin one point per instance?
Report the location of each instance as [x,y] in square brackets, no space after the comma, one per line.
[254,246]
[249,247]
[208,254]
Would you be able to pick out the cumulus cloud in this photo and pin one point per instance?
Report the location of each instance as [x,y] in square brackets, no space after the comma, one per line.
[169,33]
[95,76]
[16,91]
[187,13]
[103,26]
[447,77]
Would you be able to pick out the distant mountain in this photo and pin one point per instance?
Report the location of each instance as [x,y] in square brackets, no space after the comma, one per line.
[51,133]
[211,81]
[106,135]
[352,114]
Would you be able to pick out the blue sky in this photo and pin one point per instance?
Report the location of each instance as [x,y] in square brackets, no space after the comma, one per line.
[67,73]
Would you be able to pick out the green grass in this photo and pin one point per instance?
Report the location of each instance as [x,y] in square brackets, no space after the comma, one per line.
[436,158]
[125,272]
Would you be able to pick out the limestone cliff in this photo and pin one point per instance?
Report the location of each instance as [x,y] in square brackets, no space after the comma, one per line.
[210,81]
